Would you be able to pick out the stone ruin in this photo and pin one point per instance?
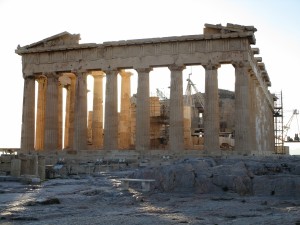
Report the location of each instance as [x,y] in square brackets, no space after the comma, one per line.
[139,130]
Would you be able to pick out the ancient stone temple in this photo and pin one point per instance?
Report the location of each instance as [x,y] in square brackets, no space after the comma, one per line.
[60,62]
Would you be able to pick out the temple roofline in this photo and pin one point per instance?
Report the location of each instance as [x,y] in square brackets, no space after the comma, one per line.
[67,41]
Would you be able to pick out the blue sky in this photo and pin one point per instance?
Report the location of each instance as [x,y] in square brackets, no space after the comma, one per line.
[25,22]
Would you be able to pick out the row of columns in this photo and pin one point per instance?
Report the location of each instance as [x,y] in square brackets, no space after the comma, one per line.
[48,134]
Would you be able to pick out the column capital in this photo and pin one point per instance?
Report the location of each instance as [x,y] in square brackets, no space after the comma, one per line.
[98,73]
[125,74]
[81,74]
[41,76]
[175,67]
[240,64]
[41,79]
[211,65]
[111,71]
[31,77]
[54,75]
[144,70]
[65,80]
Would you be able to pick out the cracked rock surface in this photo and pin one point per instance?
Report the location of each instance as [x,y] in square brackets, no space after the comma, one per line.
[190,191]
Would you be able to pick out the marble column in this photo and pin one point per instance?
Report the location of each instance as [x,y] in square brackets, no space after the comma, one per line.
[80,115]
[40,117]
[176,134]
[89,127]
[111,111]
[28,116]
[60,119]
[69,115]
[243,136]
[125,113]
[97,122]
[211,109]
[142,142]
[51,113]
[257,115]
[253,110]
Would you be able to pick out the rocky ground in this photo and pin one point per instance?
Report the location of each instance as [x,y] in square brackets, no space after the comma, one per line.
[190,191]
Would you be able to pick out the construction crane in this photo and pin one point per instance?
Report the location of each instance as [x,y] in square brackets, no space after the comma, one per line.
[288,125]
[160,94]
[198,94]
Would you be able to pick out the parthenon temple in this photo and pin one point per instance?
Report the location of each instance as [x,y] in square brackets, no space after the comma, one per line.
[61,62]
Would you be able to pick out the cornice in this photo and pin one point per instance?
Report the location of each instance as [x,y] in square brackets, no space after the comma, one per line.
[23,50]
[206,37]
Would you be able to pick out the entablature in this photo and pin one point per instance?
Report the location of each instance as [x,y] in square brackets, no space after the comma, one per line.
[219,44]
[224,49]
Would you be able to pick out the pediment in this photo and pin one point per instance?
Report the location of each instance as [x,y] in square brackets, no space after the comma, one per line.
[61,39]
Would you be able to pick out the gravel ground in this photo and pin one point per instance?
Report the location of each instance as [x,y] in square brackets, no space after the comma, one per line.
[99,199]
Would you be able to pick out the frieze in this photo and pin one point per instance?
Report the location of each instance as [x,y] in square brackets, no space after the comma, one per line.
[72,55]
[208,45]
[235,44]
[149,49]
[31,59]
[44,57]
[132,51]
[157,48]
[120,51]
[57,57]
[217,45]
[184,47]
[166,49]
[100,52]
[137,51]
[199,46]
[89,54]
[108,52]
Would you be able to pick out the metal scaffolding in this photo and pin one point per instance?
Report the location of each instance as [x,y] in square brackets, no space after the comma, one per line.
[278,124]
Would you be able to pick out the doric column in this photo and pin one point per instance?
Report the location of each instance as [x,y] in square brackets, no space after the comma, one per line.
[97,123]
[69,116]
[60,119]
[89,127]
[176,139]
[80,115]
[111,111]
[28,116]
[211,109]
[142,142]
[51,113]
[40,117]
[243,136]
[253,110]
[125,116]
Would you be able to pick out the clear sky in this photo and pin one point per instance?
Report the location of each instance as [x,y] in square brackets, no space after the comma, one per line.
[25,22]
